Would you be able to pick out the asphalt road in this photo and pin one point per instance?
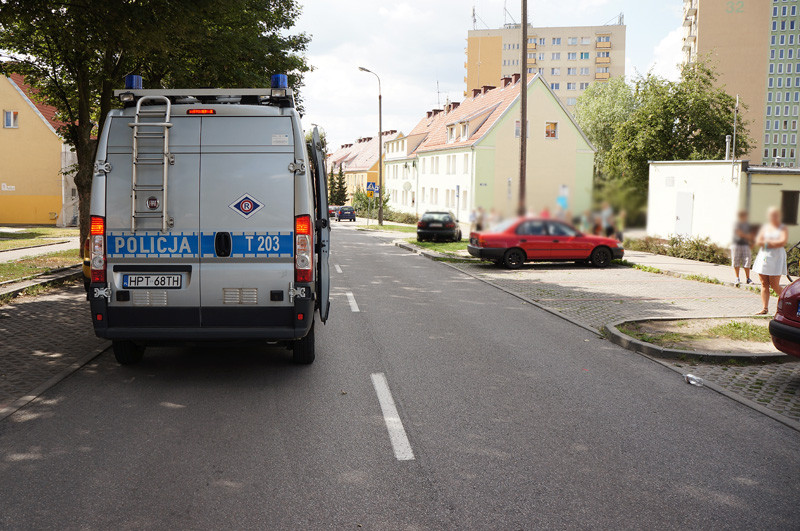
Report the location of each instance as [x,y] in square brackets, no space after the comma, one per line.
[515,420]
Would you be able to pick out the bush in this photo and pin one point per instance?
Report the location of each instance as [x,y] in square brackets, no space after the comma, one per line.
[682,247]
[399,217]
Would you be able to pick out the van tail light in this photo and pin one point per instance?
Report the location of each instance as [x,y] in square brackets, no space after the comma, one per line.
[97,248]
[303,250]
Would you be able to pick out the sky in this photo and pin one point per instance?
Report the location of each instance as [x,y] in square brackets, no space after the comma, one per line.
[413,45]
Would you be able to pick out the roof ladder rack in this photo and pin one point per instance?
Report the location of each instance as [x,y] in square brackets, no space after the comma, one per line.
[151,130]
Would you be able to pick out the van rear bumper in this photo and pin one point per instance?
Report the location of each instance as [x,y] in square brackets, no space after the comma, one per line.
[178,324]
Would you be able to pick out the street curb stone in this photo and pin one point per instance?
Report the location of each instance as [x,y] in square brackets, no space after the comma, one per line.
[19,403]
[60,275]
[631,343]
[31,247]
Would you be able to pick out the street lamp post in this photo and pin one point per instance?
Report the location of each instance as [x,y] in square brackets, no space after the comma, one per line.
[380,146]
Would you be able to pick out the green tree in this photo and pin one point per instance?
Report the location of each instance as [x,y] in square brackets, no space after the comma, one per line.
[366,205]
[341,188]
[683,120]
[600,112]
[331,187]
[76,53]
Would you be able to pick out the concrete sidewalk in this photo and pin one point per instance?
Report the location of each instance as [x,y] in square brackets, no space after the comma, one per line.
[686,268]
[16,254]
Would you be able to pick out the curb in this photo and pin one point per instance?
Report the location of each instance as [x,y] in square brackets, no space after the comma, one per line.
[60,275]
[32,247]
[711,385]
[636,345]
[19,403]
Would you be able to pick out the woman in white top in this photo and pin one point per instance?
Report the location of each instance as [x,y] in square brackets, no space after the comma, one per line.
[770,263]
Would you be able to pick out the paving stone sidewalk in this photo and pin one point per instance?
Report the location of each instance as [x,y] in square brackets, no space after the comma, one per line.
[598,297]
[40,336]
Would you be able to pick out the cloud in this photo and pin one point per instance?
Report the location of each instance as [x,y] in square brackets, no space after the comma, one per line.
[667,55]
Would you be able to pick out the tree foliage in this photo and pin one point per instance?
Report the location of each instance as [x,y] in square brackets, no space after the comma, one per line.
[658,119]
[77,52]
[339,188]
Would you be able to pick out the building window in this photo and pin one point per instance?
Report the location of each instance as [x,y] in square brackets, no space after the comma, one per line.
[769,110]
[572,71]
[555,86]
[602,70]
[555,71]
[572,56]
[604,38]
[603,54]
[586,40]
[541,71]
[572,101]
[584,86]
[584,55]
[789,203]
[766,153]
[572,41]
[541,56]
[584,70]
[766,138]
[556,41]
[541,41]
[422,195]
[551,130]
[518,127]
[767,126]
[572,86]
[10,119]
[555,56]
[465,168]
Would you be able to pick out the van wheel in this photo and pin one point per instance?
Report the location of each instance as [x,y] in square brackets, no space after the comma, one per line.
[601,257]
[303,349]
[514,258]
[127,352]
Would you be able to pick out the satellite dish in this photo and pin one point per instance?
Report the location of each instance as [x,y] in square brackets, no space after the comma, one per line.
[407,186]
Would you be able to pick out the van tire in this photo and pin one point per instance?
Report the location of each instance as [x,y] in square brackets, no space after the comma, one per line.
[303,349]
[127,352]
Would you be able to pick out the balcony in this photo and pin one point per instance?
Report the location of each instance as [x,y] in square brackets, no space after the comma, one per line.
[603,45]
[602,76]
[531,45]
[690,8]
[603,60]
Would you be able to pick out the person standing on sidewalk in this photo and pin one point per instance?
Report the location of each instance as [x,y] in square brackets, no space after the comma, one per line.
[741,253]
[770,262]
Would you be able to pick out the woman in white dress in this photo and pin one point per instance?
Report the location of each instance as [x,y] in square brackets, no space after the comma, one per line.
[770,263]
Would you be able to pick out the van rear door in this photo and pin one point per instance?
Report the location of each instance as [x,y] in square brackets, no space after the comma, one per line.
[323,226]
[246,221]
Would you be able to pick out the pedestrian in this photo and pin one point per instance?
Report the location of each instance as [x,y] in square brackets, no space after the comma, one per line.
[480,219]
[586,223]
[473,220]
[770,263]
[741,253]
[621,225]
[607,219]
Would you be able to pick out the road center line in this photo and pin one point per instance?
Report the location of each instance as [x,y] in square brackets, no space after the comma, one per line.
[338,269]
[352,301]
[397,434]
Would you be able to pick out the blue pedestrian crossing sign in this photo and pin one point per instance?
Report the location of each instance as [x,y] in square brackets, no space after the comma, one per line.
[372,187]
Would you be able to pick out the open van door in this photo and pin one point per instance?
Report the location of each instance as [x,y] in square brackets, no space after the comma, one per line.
[323,227]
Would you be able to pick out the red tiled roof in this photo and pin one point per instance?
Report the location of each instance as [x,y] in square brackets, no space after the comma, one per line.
[48,111]
[487,107]
[361,155]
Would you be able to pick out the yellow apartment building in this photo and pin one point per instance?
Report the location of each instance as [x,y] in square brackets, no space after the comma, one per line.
[33,187]
[569,59]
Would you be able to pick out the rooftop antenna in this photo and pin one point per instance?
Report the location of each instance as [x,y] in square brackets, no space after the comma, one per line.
[474,18]
[507,15]
[438,95]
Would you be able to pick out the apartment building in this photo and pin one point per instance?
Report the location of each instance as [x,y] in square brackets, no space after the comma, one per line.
[755,47]
[569,59]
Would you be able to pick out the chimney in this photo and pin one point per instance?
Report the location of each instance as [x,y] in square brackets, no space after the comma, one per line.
[476,93]
[454,105]
[506,81]
[436,111]
[515,78]
[487,88]
[430,113]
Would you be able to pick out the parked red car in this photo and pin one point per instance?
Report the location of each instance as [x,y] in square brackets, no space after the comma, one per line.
[785,327]
[514,242]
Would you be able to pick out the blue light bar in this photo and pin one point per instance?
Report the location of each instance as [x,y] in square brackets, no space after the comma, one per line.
[133,82]
[280,81]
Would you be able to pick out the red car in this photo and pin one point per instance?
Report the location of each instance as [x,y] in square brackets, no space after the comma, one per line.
[514,242]
[785,327]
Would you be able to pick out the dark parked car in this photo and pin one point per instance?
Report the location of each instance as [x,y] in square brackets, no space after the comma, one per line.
[785,327]
[516,241]
[346,212]
[438,226]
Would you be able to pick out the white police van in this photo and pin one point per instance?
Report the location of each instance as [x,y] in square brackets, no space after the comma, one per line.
[207,221]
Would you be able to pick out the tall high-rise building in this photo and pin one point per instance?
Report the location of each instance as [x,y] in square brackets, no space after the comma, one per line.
[755,47]
[569,58]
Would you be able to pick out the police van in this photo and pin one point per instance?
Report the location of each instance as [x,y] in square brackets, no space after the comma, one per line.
[209,221]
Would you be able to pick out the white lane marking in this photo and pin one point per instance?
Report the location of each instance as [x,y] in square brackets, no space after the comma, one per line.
[397,434]
[352,301]
[338,269]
